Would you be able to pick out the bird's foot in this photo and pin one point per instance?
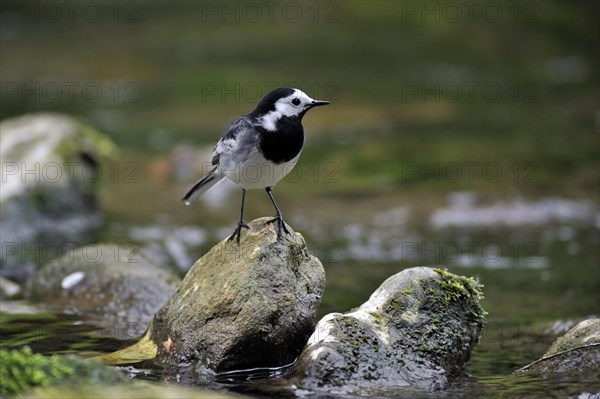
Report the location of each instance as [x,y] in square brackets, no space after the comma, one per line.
[280,225]
[236,234]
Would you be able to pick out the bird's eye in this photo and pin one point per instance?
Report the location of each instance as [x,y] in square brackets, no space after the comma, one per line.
[296,101]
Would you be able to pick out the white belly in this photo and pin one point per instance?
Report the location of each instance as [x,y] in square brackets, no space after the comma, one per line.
[257,172]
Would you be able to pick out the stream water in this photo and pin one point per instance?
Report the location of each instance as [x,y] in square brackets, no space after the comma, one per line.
[538,261]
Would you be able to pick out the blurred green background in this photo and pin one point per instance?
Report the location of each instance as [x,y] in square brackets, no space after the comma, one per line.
[499,99]
[424,82]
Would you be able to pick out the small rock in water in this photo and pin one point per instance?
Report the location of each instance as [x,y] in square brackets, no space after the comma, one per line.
[576,354]
[416,331]
[251,305]
[107,278]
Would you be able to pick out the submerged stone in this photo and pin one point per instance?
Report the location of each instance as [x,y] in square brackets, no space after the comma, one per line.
[251,305]
[110,279]
[416,331]
[585,333]
[574,355]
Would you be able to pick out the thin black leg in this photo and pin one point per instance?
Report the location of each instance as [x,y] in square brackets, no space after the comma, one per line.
[278,217]
[241,225]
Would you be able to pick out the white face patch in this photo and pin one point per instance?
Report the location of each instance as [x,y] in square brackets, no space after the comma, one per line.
[291,105]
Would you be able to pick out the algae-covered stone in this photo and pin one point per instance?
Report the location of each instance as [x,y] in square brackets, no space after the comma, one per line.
[576,354]
[50,175]
[243,306]
[417,330]
[22,370]
[113,280]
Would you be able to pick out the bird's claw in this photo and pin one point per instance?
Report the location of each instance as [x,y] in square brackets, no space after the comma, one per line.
[280,226]
[238,231]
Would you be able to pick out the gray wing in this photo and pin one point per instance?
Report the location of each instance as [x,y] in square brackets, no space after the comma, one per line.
[238,142]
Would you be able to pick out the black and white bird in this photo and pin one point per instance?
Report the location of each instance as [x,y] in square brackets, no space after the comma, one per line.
[259,149]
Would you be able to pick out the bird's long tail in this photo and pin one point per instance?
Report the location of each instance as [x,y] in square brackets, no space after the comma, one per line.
[203,185]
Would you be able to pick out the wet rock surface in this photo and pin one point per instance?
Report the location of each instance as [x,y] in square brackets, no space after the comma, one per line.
[51,170]
[576,354]
[115,281]
[416,331]
[243,306]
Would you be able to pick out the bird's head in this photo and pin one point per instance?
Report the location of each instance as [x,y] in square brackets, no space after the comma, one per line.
[284,102]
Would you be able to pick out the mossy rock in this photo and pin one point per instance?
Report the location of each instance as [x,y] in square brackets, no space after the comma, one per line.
[416,331]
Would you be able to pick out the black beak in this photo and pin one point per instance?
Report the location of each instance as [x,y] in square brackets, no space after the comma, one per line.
[317,103]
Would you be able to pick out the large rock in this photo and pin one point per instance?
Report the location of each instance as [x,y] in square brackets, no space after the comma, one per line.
[243,306]
[416,331]
[109,279]
[50,175]
[574,355]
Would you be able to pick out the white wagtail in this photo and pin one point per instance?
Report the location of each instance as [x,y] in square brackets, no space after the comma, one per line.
[259,149]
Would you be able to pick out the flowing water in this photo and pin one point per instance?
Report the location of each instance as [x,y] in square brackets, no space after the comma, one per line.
[538,261]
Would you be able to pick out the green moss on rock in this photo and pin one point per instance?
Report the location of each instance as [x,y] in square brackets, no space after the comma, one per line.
[463,289]
[22,370]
